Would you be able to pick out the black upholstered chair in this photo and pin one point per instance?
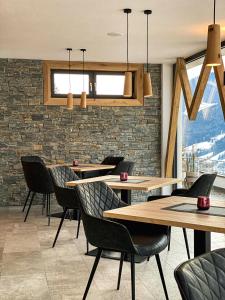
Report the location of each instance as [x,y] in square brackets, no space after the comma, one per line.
[38,180]
[202,278]
[65,196]
[201,187]
[123,166]
[125,237]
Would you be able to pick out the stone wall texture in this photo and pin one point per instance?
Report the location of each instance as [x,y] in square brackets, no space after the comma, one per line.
[29,127]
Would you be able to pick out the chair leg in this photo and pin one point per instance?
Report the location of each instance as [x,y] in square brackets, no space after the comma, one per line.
[161,275]
[169,237]
[87,246]
[186,242]
[27,198]
[28,210]
[78,225]
[120,269]
[46,199]
[60,225]
[49,208]
[98,256]
[43,204]
[132,265]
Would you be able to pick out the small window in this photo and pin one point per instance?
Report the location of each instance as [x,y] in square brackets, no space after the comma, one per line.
[109,84]
[60,83]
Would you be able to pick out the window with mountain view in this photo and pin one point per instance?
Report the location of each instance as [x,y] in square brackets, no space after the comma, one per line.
[203,140]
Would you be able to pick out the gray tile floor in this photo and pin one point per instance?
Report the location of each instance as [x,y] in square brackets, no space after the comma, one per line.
[31,269]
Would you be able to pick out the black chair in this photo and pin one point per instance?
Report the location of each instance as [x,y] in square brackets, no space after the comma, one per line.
[38,180]
[123,166]
[109,160]
[201,187]
[202,278]
[126,237]
[65,196]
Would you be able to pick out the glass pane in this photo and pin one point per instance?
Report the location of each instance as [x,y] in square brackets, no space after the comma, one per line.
[109,84]
[203,140]
[61,83]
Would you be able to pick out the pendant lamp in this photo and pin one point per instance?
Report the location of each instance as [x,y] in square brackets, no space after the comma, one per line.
[69,95]
[213,52]
[127,91]
[147,83]
[83,99]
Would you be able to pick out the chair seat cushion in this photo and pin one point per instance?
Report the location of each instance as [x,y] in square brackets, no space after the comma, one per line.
[148,239]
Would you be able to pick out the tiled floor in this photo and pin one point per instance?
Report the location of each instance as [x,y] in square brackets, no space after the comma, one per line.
[31,269]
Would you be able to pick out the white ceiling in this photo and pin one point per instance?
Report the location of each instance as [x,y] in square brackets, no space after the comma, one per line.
[42,29]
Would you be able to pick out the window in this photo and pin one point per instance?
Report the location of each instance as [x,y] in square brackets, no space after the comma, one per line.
[203,140]
[103,83]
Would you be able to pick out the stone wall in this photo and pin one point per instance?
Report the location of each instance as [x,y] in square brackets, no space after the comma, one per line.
[29,127]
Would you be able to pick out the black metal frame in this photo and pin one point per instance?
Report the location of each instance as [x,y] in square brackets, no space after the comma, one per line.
[92,80]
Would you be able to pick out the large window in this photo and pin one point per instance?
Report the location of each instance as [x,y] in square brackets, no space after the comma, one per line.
[203,140]
[103,83]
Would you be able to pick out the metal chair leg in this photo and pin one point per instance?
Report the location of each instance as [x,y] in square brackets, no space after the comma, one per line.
[43,204]
[169,237]
[78,225]
[161,275]
[87,245]
[28,210]
[132,265]
[186,242]
[49,208]
[60,225]
[120,269]
[98,256]
[27,198]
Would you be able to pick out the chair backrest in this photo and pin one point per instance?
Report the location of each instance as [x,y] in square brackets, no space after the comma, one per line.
[112,160]
[202,278]
[123,166]
[202,186]
[37,176]
[96,197]
[65,196]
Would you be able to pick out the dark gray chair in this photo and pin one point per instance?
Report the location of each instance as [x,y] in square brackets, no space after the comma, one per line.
[123,166]
[126,237]
[65,196]
[38,180]
[202,278]
[201,187]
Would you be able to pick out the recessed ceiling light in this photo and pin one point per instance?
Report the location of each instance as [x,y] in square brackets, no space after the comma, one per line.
[114,34]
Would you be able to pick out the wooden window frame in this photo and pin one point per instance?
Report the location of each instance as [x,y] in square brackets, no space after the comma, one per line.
[138,69]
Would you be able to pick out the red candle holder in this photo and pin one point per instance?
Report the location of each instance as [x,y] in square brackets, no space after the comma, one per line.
[75,163]
[123,176]
[203,203]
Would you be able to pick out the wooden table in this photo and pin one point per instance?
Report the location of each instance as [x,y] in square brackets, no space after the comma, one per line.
[154,212]
[134,183]
[82,168]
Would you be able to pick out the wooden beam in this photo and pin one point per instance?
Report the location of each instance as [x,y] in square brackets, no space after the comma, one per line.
[173,123]
[185,84]
[199,91]
[219,74]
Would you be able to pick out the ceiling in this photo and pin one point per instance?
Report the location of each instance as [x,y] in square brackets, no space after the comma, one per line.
[42,29]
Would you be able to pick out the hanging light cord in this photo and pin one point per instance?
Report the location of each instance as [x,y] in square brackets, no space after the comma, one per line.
[147,43]
[69,73]
[127,44]
[83,70]
[214,12]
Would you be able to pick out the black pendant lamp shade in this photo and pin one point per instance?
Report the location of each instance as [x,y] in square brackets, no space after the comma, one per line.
[127,91]
[69,95]
[213,52]
[147,83]
[83,99]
